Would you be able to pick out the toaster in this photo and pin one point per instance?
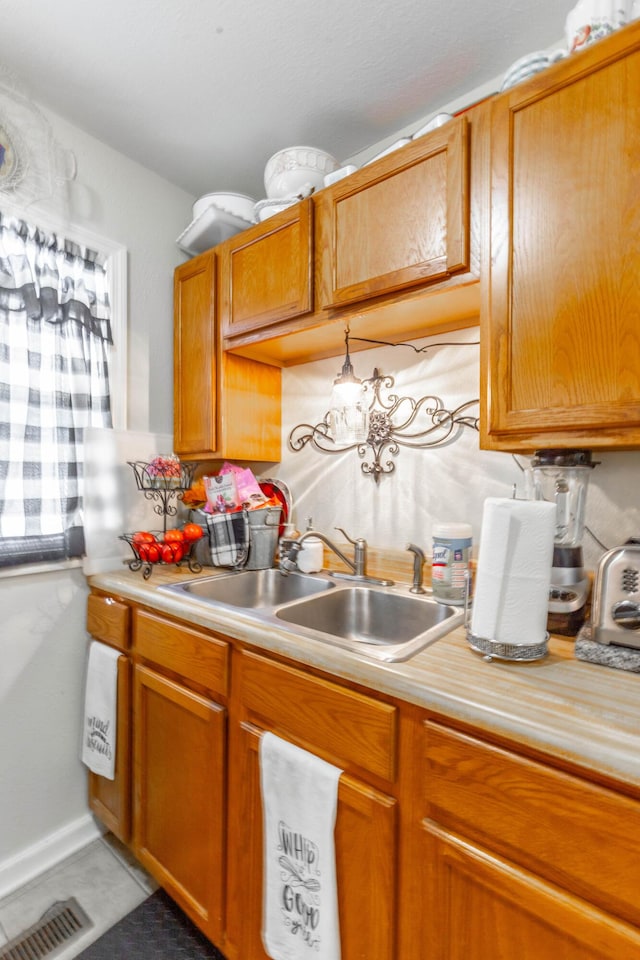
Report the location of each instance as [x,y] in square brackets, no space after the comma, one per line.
[615,613]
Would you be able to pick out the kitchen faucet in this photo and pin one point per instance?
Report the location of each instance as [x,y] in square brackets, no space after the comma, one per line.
[357,566]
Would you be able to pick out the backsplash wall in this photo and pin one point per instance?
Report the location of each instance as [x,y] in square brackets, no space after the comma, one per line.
[448,483]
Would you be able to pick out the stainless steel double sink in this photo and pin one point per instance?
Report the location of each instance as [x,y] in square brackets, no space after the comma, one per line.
[381,623]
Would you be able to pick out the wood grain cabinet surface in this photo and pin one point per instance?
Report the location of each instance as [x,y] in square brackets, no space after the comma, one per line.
[393,250]
[560,333]
[401,222]
[450,845]
[266,272]
[180,742]
[108,620]
[523,859]
[322,718]
[224,405]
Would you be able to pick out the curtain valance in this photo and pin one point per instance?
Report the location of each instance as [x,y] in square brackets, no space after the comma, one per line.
[47,278]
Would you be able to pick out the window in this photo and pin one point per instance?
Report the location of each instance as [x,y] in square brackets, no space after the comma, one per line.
[55,349]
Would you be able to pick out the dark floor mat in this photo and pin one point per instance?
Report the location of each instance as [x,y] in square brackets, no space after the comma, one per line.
[157,929]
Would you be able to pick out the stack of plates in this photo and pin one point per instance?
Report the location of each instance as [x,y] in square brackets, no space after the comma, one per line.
[528,66]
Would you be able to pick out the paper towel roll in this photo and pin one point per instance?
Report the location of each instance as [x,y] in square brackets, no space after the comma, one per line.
[513,577]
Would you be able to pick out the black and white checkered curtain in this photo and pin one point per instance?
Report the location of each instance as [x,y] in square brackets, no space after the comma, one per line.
[54,335]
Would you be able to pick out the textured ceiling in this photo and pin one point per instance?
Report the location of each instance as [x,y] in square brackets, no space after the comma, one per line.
[205,91]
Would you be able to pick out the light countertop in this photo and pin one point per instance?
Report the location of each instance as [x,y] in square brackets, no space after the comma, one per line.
[584,713]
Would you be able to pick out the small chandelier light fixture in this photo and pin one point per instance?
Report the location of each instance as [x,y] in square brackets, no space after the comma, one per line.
[349,405]
[362,417]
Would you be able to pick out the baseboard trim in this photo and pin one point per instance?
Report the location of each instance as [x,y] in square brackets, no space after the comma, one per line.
[48,852]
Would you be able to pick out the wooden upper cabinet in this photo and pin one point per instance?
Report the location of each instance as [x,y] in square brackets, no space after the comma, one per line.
[224,406]
[561,324]
[400,222]
[195,357]
[266,272]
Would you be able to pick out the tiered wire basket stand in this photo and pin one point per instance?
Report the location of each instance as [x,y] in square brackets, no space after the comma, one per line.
[166,491]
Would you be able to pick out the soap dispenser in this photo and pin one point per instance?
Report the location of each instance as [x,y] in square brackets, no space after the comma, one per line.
[311,554]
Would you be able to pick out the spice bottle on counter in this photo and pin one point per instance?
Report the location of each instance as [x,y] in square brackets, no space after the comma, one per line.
[451,558]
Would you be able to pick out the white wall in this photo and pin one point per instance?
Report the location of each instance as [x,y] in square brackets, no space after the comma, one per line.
[448,483]
[43,809]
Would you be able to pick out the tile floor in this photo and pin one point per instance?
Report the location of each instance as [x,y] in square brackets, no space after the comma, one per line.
[104,878]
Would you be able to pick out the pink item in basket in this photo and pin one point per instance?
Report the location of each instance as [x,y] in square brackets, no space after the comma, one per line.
[248,488]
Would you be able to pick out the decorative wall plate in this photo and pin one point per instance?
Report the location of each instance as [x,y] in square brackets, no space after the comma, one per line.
[12,168]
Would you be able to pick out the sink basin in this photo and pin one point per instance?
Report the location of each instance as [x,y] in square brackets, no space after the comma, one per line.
[378,623]
[386,626]
[253,589]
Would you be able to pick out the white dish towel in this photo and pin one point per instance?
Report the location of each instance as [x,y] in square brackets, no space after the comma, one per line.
[299,802]
[100,706]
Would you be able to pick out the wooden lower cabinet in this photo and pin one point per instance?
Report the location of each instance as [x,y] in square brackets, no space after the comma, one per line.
[108,621]
[180,785]
[450,844]
[358,734]
[521,861]
[365,840]
[480,907]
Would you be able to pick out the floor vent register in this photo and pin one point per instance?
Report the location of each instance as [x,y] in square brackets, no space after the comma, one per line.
[61,924]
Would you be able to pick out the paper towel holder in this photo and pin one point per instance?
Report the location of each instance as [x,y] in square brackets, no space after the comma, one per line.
[498,649]
[516,652]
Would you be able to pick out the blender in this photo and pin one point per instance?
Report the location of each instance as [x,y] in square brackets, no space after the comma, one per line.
[562,477]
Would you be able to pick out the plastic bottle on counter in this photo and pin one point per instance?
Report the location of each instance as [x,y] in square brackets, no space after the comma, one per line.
[311,555]
[451,558]
[289,535]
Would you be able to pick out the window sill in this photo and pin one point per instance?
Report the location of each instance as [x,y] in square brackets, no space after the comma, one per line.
[30,569]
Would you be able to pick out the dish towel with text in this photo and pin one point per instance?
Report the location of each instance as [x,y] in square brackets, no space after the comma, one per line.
[299,803]
[100,705]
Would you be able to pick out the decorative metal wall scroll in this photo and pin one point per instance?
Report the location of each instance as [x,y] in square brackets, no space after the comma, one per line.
[394,422]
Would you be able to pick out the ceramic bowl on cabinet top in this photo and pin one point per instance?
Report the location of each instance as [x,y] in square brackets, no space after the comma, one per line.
[237,204]
[293,168]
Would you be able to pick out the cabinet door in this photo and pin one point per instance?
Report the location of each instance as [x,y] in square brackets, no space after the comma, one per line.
[365,863]
[401,222]
[266,273]
[195,357]
[110,800]
[479,907]
[179,776]
[561,329]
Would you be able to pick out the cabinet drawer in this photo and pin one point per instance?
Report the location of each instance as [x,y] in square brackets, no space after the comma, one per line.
[195,656]
[341,725]
[578,835]
[108,620]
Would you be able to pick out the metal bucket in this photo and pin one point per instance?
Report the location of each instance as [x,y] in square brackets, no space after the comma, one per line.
[264,526]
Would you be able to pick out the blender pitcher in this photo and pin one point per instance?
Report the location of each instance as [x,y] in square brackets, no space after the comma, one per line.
[562,477]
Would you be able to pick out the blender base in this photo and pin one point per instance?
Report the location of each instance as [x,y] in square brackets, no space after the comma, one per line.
[566,624]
